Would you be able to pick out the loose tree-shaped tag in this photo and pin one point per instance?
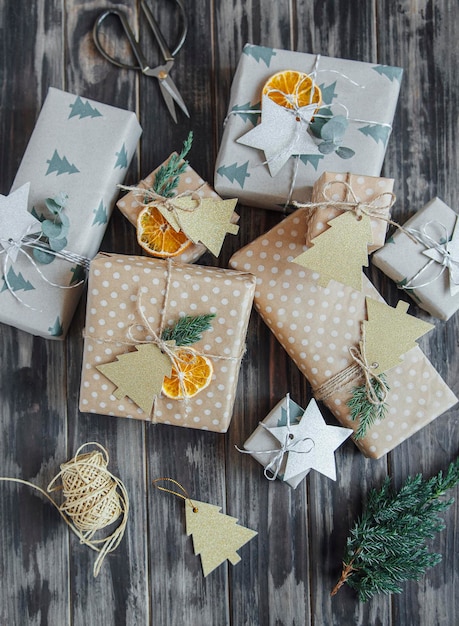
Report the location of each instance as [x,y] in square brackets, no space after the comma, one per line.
[207,223]
[139,375]
[390,333]
[339,252]
[216,537]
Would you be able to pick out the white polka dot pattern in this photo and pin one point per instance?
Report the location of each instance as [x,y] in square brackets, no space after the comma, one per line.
[317,326]
[365,188]
[131,204]
[113,324]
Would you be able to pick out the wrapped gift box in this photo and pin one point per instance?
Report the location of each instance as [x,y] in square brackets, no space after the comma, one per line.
[317,326]
[373,192]
[364,93]
[118,286]
[80,148]
[427,281]
[132,203]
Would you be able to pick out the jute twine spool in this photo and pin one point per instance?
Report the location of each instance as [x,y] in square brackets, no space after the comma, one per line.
[93,499]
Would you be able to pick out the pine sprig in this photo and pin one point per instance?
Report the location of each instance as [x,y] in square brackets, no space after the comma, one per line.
[167,176]
[365,412]
[188,329]
[387,545]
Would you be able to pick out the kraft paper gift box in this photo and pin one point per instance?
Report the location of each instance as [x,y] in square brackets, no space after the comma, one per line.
[360,97]
[80,148]
[190,181]
[119,288]
[317,325]
[420,267]
[373,193]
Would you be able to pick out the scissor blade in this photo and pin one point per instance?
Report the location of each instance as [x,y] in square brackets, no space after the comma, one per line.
[169,85]
[169,101]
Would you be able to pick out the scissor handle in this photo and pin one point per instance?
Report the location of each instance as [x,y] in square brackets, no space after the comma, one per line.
[143,64]
[167,54]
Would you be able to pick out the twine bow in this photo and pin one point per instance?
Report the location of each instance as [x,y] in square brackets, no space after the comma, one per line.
[445,259]
[12,248]
[151,197]
[289,445]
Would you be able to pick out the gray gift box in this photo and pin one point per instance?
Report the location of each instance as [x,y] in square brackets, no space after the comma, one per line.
[261,440]
[80,148]
[426,280]
[365,93]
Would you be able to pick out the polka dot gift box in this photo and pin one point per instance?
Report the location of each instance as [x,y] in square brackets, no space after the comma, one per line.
[371,194]
[317,326]
[130,299]
[132,203]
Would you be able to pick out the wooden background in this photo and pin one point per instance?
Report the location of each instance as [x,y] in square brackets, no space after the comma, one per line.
[286,573]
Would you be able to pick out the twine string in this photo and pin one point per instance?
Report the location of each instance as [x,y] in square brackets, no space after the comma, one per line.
[93,499]
[289,444]
[447,260]
[184,495]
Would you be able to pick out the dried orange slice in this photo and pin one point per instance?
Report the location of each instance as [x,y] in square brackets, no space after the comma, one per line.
[194,370]
[157,237]
[292,89]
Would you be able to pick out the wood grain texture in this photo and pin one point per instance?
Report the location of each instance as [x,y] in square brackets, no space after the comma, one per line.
[287,571]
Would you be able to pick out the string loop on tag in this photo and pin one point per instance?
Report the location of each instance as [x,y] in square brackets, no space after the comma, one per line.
[184,495]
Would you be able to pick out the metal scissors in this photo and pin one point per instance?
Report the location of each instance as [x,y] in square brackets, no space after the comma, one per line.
[169,91]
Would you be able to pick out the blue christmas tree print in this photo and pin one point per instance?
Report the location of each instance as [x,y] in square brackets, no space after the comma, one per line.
[377,132]
[17,282]
[121,160]
[259,53]
[56,330]
[79,274]
[392,73]
[235,172]
[60,165]
[328,93]
[296,413]
[83,109]
[313,159]
[248,112]
[100,215]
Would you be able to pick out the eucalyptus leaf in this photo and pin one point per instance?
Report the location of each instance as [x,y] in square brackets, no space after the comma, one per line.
[53,206]
[334,129]
[64,221]
[58,244]
[322,116]
[327,147]
[345,153]
[51,229]
[43,257]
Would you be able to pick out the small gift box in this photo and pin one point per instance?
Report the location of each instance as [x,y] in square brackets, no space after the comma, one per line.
[291,441]
[294,115]
[131,341]
[423,259]
[78,152]
[334,193]
[187,184]
[321,327]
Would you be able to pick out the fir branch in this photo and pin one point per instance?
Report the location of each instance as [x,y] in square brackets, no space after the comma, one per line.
[363,410]
[167,176]
[387,545]
[188,329]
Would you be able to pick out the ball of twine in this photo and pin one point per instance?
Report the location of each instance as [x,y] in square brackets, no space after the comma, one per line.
[93,499]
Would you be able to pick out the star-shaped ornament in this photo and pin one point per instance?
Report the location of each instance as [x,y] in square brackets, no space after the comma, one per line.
[311,443]
[15,220]
[282,133]
[449,255]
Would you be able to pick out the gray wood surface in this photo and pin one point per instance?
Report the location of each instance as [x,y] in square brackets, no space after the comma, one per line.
[287,572]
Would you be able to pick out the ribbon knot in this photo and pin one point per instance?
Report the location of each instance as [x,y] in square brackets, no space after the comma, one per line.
[375,397]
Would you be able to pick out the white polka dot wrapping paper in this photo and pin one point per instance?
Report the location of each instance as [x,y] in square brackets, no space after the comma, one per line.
[337,187]
[131,204]
[364,94]
[115,284]
[80,148]
[316,326]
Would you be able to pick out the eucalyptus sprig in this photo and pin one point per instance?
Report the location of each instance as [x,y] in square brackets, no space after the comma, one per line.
[167,176]
[54,228]
[188,329]
[364,411]
[387,545]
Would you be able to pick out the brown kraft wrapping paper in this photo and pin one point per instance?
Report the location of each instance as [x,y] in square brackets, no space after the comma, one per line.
[350,188]
[316,326]
[115,284]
